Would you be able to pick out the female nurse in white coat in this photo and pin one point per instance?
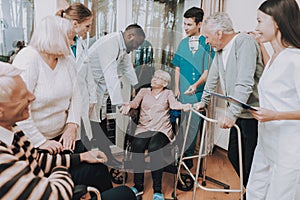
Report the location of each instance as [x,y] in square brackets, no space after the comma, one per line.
[81,18]
[275,171]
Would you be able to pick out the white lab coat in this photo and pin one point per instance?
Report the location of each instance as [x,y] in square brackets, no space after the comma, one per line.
[86,83]
[109,61]
[275,170]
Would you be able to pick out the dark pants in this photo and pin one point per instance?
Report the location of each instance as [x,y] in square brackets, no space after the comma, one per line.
[100,139]
[249,133]
[152,141]
[118,193]
[96,175]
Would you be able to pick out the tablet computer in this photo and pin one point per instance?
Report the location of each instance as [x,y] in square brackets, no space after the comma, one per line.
[232,100]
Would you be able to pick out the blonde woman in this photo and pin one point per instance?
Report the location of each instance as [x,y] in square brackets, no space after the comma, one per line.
[55,114]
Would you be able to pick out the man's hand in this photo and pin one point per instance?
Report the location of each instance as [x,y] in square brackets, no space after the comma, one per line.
[93,156]
[52,146]
[226,122]
[199,106]
[191,90]
[68,138]
[91,108]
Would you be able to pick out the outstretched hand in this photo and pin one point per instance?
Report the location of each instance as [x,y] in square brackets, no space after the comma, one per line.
[125,108]
[199,106]
[191,90]
[186,107]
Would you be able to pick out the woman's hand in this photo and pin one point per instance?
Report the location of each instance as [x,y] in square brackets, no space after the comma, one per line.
[52,146]
[199,106]
[264,115]
[177,92]
[186,107]
[68,138]
[125,108]
[91,108]
[93,156]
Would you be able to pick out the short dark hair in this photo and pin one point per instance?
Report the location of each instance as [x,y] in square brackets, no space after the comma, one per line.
[137,29]
[196,13]
[288,23]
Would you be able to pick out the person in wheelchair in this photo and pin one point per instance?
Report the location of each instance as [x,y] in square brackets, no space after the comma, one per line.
[154,130]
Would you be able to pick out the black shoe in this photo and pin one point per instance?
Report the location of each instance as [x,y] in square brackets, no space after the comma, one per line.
[189,163]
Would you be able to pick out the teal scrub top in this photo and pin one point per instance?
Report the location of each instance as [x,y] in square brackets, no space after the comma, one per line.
[191,67]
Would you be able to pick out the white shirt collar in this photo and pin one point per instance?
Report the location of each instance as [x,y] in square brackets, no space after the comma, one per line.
[6,136]
[226,50]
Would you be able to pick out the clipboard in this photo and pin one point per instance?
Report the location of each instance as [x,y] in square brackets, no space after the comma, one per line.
[232,100]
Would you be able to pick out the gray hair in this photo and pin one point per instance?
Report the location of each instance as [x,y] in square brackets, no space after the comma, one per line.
[164,74]
[218,21]
[7,83]
[51,36]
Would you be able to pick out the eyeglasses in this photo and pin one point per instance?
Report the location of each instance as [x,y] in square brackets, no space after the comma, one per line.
[160,78]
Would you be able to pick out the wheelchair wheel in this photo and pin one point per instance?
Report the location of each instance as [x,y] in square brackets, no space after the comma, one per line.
[118,176]
[188,182]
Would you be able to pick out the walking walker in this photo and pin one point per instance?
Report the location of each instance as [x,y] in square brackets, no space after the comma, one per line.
[203,155]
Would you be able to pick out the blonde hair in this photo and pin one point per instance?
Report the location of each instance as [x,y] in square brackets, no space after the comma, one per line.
[7,83]
[51,36]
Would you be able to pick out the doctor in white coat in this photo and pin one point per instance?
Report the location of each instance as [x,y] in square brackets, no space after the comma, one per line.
[110,61]
[109,58]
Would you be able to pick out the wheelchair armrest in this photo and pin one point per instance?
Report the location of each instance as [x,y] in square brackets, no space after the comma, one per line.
[95,191]
[80,190]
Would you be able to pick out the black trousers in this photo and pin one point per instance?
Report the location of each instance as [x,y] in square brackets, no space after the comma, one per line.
[96,175]
[249,133]
[152,141]
[118,193]
[100,139]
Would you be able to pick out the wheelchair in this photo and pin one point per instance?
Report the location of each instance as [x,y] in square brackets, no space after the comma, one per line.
[120,175]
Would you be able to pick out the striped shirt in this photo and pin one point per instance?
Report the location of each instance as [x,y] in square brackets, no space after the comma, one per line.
[27,174]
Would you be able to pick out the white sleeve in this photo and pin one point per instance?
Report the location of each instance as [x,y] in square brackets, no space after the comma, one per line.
[91,85]
[75,103]
[107,55]
[127,70]
[26,60]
